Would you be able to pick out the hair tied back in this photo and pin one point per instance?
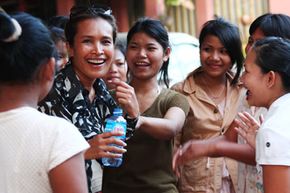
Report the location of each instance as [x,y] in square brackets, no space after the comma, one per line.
[10,29]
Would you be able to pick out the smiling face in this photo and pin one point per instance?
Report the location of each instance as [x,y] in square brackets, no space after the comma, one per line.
[145,56]
[118,69]
[254,81]
[92,49]
[214,57]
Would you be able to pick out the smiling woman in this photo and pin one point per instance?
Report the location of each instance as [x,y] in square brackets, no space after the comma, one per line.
[268,62]
[213,92]
[162,114]
[80,95]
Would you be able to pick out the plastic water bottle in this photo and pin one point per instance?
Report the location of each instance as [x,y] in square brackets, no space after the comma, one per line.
[116,122]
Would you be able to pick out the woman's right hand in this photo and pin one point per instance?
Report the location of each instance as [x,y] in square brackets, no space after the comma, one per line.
[103,145]
[191,150]
[126,98]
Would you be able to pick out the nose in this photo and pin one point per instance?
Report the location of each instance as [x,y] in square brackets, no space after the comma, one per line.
[98,48]
[142,52]
[113,68]
[215,55]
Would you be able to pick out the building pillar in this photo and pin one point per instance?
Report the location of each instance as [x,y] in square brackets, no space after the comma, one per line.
[120,11]
[204,12]
[154,8]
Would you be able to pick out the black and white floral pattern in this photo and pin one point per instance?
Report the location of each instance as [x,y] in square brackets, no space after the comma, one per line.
[69,99]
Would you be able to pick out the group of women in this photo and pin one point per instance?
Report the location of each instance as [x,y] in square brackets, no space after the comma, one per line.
[198,114]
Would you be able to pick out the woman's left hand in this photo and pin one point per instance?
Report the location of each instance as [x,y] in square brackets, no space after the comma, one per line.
[247,127]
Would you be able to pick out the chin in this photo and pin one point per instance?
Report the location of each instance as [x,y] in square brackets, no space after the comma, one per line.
[98,75]
[253,103]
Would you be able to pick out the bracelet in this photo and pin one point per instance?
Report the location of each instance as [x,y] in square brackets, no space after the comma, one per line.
[131,122]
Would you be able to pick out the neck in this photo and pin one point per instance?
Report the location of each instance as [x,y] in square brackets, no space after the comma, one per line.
[12,97]
[85,81]
[142,86]
[213,81]
[273,96]
[146,92]
[215,87]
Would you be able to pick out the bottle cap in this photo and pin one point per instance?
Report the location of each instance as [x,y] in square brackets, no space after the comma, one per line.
[118,110]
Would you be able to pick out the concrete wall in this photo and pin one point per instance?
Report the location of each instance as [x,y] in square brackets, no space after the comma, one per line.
[281,6]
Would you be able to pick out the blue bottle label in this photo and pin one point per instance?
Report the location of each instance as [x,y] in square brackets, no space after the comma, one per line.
[112,125]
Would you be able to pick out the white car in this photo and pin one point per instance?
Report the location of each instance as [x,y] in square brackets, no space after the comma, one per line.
[184,57]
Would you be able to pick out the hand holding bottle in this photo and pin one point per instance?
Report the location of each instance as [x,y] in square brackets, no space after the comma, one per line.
[100,146]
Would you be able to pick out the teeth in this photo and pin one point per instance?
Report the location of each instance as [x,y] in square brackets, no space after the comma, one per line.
[141,63]
[96,61]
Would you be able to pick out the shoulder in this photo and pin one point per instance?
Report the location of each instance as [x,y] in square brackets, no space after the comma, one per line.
[54,123]
[278,115]
[269,142]
[178,86]
[175,99]
[170,94]
[188,85]
[60,132]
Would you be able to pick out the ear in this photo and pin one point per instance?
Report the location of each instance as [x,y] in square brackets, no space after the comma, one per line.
[166,54]
[271,79]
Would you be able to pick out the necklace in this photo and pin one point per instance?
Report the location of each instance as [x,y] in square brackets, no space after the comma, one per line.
[214,97]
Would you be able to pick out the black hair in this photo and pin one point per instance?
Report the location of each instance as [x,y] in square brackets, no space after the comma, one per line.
[272,25]
[121,45]
[57,34]
[58,21]
[229,36]
[272,54]
[82,12]
[155,29]
[21,57]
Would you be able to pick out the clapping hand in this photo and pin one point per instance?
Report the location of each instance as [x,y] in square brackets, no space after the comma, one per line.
[247,127]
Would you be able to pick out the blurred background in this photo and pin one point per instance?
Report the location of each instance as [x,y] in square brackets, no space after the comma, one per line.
[178,15]
[183,19]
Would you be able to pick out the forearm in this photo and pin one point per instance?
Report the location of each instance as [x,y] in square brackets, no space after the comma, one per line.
[276,179]
[240,152]
[159,128]
[69,176]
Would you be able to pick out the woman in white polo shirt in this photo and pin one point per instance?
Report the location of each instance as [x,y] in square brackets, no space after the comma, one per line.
[267,80]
